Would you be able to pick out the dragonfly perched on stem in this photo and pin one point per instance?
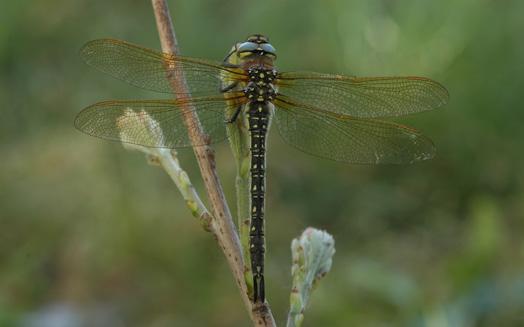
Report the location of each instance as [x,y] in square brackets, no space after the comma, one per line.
[330,116]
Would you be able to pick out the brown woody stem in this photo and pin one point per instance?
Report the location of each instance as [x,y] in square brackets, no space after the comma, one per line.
[222,225]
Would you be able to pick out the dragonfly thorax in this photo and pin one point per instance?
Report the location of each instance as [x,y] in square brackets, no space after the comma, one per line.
[260,87]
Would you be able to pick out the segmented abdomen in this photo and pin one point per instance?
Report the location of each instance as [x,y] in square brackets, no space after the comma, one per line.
[258,117]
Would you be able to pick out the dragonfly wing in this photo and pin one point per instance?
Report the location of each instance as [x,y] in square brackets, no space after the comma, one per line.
[154,123]
[367,97]
[350,139]
[149,69]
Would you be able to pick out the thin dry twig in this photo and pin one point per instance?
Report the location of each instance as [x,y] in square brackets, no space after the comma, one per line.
[222,225]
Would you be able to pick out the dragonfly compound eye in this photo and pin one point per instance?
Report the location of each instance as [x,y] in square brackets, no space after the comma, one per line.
[268,48]
[247,47]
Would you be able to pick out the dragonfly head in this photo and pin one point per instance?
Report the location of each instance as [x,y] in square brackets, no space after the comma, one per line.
[256,45]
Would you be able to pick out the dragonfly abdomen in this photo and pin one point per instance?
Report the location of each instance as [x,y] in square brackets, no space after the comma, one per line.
[260,92]
[258,118]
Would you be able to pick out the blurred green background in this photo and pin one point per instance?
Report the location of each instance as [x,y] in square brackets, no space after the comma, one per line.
[90,235]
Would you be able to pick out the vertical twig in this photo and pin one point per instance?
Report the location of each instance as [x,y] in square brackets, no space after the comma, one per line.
[222,226]
[238,135]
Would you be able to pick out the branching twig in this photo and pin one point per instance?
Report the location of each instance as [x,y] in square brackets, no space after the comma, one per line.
[164,157]
[222,225]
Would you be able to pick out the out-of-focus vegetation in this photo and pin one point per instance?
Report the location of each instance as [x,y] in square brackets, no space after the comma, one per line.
[93,236]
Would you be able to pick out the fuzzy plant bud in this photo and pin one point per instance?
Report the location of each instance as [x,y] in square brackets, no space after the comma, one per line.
[312,255]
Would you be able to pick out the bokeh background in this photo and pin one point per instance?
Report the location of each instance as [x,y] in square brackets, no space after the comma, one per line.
[91,235]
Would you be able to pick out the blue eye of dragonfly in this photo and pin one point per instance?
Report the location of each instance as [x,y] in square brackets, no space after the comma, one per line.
[268,48]
[256,48]
[247,47]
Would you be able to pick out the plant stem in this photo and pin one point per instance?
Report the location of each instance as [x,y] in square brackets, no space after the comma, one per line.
[169,161]
[222,225]
[238,135]
[167,158]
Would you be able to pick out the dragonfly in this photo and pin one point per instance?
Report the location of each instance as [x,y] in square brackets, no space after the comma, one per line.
[336,117]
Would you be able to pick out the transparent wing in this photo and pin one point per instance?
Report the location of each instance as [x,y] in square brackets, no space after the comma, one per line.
[154,123]
[367,97]
[148,69]
[349,139]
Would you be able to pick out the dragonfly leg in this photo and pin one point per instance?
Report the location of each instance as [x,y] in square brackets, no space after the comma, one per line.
[228,87]
[226,62]
[228,55]
[235,115]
